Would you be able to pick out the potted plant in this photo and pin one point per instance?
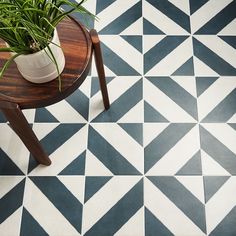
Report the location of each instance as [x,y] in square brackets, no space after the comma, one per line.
[29,29]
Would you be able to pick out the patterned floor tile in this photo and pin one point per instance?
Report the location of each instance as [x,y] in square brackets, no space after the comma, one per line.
[220,108]
[126,99]
[170,99]
[212,17]
[219,56]
[126,17]
[59,142]
[218,141]
[119,53]
[170,55]
[120,148]
[165,199]
[111,214]
[162,159]
[169,148]
[166,17]
[220,209]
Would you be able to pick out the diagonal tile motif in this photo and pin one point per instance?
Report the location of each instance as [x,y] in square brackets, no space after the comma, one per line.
[61,198]
[9,204]
[159,147]
[220,20]
[167,17]
[176,193]
[162,159]
[211,17]
[166,57]
[214,57]
[30,226]
[125,15]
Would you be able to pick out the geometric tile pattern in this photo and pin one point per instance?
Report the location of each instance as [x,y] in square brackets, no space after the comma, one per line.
[162,159]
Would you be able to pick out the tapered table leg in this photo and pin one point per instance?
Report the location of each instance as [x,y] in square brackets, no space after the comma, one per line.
[100,67]
[22,128]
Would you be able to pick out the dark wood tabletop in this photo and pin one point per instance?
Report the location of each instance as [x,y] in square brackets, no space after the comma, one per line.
[77,46]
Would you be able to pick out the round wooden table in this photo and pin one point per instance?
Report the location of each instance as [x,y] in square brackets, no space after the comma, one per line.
[16,93]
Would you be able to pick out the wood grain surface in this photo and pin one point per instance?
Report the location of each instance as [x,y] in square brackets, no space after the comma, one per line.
[77,47]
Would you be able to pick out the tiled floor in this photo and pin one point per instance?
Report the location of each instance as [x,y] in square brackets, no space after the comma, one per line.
[162,160]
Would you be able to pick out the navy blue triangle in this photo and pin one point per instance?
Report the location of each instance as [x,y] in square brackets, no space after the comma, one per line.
[29,226]
[153,226]
[135,41]
[93,184]
[43,115]
[82,107]
[152,115]
[227,226]
[7,166]
[11,201]
[186,68]
[76,167]
[149,28]
[231,40]
[195,5]
[192,167]
[95,87]
[203,83]
[101,5]
[134,130]
[233,125]
[212,184]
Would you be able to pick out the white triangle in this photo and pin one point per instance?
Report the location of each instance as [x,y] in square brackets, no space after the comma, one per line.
[65,113]
[187,82]
[135,29]
[194,184]
[232,119]
[75,184]
[183,5]
[42,129]
[108,72]
[11,226]
[149,41]
[94,167]
[29,115]
[134,226]
[90,6]
[211,167]
[134,115]
[86,86]
[7,183]
[201,69]
[151,131]
[94,72]
[229,29]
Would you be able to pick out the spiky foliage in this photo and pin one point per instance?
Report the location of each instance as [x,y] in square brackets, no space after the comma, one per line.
[27,26]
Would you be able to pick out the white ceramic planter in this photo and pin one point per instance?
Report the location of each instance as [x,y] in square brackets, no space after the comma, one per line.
[38,67]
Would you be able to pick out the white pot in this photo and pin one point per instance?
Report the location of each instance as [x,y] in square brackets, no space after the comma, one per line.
[38,67]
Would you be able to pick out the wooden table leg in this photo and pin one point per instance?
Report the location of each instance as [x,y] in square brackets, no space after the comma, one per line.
[100,67]
[22,128]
